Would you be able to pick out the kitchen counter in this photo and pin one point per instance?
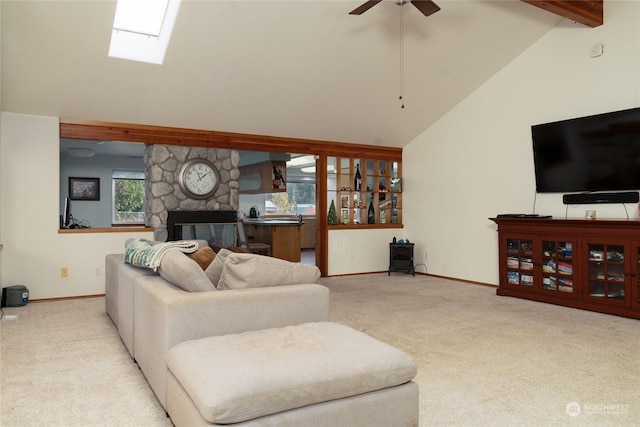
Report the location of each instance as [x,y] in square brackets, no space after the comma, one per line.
[282,234]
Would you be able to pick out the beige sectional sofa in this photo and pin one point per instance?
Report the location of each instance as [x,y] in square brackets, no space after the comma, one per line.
[152,315]
[247,342]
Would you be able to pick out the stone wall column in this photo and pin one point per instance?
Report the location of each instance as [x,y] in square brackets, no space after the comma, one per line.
[163,194]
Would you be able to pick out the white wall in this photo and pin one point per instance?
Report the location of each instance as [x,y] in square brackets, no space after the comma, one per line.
[360,251]
[477,160]
[33,250]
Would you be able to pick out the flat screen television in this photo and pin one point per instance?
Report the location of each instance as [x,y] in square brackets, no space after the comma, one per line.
[588,154]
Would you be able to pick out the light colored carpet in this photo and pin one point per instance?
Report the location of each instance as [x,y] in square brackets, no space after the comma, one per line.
[63,364]
[482,359]
[489,360]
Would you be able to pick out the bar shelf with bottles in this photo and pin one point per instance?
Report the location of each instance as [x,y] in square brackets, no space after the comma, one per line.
[365,192]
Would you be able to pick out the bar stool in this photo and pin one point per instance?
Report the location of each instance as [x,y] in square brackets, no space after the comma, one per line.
[253,247]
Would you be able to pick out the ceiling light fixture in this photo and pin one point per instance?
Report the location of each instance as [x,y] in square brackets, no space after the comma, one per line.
[312,169]
[81,152]
[302,160]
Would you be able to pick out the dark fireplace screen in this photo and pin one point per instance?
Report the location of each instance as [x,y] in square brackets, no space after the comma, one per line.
[219,228]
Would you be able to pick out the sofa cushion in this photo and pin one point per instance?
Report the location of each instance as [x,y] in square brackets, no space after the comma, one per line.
[239,377]
[183,272]
[214,271]
[241,271]
[203,256]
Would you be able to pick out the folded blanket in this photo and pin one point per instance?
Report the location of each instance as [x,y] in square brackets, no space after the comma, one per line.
[148,254]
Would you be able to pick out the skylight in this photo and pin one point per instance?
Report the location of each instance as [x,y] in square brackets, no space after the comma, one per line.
[142,29]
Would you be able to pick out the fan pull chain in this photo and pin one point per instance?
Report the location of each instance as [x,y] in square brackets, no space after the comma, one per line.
[402,55]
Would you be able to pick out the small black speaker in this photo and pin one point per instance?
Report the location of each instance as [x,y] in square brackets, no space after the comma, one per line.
[14,296]
[591,198]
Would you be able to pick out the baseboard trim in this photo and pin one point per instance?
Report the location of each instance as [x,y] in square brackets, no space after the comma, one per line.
[471,282]
[67,298]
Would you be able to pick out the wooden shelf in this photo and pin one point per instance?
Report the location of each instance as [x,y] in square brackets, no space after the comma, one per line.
[377,181]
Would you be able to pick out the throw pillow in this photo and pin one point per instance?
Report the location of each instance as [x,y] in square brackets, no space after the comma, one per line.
[238,249]
[243,271]
[203,256]
[183,272]
[214,271]
[128,242]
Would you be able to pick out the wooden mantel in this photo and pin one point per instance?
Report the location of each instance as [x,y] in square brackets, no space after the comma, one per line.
[587,12]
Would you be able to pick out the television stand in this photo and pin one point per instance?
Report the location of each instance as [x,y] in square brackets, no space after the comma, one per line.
[581,263]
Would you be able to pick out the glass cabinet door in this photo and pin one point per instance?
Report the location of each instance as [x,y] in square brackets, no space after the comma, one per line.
[558,268]
[519,262]
[635,276]
[606,270]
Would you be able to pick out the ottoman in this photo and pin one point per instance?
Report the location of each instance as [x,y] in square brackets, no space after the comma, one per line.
[313,374]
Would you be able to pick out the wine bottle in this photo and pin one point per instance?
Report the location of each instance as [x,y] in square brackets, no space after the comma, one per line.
[371,213]
[357,180]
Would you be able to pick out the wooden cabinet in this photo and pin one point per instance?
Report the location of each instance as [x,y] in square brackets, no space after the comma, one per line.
[365,191]
[308,232]
[284,238]
[581,263]
[263,177]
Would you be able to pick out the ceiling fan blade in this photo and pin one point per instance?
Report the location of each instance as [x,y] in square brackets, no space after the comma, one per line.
[427,7]
[364,7]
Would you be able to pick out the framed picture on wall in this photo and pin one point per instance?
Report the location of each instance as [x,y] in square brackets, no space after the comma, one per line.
[84,188]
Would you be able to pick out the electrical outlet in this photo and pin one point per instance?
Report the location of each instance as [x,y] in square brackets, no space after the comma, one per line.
[99,271]
[64,272]
[426,254]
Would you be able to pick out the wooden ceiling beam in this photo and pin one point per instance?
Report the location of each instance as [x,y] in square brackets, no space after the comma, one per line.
[587,12]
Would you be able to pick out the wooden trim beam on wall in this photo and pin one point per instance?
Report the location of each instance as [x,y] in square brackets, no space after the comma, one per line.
[587,12]
[106,131]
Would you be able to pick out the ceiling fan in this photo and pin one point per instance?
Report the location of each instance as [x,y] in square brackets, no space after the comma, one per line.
[427,7]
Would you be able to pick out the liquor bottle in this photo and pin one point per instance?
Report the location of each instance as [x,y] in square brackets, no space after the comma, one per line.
[357,180]
[371,213]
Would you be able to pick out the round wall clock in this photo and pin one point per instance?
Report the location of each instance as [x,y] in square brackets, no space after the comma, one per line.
[198,178]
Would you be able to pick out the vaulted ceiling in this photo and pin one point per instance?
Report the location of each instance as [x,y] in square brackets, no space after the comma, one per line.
[301,69]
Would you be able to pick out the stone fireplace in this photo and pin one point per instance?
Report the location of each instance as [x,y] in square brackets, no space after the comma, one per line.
[163,194]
